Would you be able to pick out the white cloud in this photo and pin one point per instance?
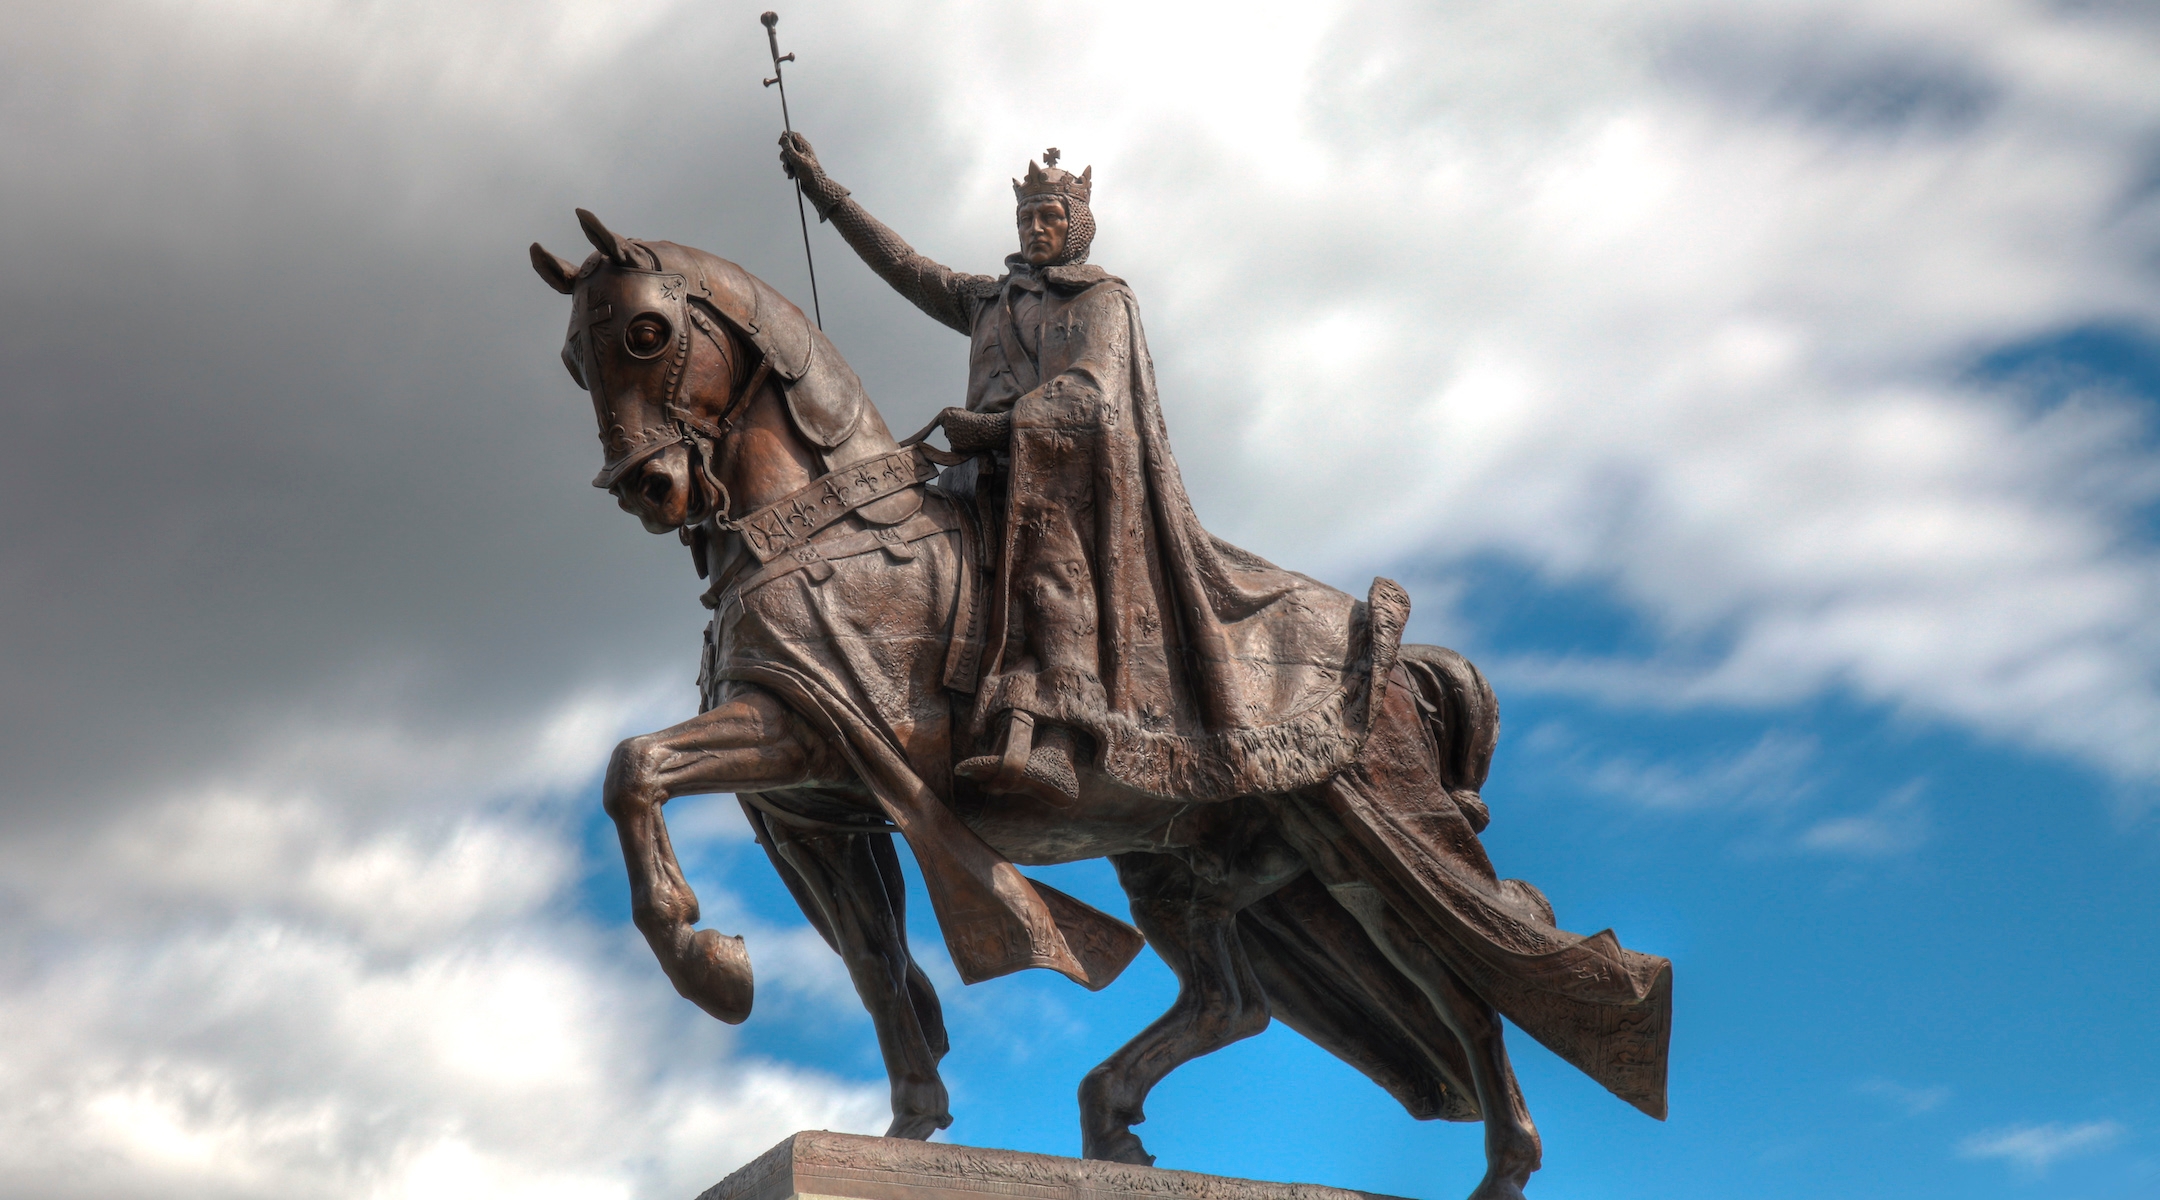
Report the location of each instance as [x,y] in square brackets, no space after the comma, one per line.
[263,1059]
[1776,784]
[1664,298]
[1895,825]
[1771,774]
[253,993]
[1672,298]
[2037,1147]
[1913,1100]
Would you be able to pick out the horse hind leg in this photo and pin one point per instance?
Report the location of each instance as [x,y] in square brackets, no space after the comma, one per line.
[1512,1148]
[849,886]
[1192,926]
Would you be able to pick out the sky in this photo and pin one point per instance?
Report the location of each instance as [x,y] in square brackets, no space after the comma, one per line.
[1765,395]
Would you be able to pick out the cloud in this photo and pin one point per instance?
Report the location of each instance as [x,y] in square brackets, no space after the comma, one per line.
[1772,773]
[1914,1101]
[258,991]
[1693,325]
[314,629]
[1664,300]
[263,1057]
[1777,783]
[1896,825]
[2037,1147]
[282,1062]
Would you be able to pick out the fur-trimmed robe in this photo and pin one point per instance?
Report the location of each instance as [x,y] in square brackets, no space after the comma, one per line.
[1200,671]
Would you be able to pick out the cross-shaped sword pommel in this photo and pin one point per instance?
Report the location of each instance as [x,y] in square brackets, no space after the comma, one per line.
[771,23]
[1050,157]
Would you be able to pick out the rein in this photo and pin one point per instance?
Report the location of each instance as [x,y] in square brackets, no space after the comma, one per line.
[702,456]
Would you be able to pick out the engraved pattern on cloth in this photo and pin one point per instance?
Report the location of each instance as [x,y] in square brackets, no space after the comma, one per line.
[794,518]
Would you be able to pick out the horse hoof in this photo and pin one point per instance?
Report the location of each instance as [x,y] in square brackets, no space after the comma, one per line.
[1120,1147]
[917,1128]
[715,975]
[1497,1187]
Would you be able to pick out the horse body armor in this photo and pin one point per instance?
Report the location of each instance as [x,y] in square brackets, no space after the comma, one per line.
[825,398]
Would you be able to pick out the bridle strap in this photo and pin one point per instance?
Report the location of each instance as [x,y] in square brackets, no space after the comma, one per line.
[704,454]
[757,380]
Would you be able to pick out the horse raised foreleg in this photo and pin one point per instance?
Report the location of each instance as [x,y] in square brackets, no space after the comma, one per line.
[1512,1149]
[1192,925]
[751,742]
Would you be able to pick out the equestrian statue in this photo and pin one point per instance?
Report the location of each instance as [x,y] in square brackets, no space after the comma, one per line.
[1026,650]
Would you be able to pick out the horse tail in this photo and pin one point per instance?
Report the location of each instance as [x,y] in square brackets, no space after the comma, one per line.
[1463,717]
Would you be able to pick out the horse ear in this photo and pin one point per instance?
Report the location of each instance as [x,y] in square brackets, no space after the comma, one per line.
[604,239]
[553,271]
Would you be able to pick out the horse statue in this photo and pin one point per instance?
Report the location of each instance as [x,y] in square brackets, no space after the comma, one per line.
[852,582]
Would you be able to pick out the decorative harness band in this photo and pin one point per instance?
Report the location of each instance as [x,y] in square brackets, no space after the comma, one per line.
[796,517]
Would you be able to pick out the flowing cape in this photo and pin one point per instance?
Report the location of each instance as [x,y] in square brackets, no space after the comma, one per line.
[1219,675]
[1383,832]
[1201,671]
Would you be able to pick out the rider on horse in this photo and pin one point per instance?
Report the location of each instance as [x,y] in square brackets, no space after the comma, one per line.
[1288,793]
[1121,630]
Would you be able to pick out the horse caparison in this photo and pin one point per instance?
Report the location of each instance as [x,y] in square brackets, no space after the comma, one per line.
[716,398]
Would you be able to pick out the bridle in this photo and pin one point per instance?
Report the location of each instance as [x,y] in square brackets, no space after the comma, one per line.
[678,423]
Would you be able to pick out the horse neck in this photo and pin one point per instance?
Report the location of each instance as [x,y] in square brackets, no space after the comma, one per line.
[763,458]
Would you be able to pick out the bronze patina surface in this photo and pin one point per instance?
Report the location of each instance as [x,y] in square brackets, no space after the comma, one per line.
[1037,655]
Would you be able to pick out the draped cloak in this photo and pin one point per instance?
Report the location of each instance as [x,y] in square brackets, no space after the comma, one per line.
[1200,671]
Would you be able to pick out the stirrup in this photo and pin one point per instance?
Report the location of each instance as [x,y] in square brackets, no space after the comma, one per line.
[1044,773]
[1012,764]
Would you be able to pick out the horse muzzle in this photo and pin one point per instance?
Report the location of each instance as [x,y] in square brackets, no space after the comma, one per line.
[657,489]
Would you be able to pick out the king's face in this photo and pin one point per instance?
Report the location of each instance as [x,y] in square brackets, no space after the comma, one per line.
[1043,226]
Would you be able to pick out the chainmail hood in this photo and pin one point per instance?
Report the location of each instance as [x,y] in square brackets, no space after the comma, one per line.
[1079,232]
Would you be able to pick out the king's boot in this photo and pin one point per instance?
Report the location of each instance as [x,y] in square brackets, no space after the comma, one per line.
[1037,762]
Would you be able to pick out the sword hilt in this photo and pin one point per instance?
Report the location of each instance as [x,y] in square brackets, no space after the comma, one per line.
[771,22]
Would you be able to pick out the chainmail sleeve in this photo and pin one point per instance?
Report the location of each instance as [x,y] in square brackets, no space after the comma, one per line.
[947,295]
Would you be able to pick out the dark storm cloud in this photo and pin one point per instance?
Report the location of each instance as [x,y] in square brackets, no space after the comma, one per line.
[287,444]
[1828,72]
[284,416]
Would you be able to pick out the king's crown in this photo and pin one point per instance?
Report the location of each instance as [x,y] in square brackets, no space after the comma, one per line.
[1048,180]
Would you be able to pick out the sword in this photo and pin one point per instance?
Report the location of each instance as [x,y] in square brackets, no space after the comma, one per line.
[771,21]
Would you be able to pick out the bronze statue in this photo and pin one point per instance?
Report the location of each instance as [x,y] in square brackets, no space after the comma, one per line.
[1037,655]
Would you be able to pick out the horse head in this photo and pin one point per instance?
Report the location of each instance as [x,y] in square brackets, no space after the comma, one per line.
[660,372]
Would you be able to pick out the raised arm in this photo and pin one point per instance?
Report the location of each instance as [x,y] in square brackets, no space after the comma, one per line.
[947,295]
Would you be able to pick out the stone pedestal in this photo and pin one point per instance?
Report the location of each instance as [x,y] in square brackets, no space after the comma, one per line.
[846,1166]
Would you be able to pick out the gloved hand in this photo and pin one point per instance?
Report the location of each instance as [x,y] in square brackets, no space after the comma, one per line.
[801,164]
[974,432]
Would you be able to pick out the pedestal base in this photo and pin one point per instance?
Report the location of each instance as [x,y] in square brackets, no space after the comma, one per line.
[846,1166]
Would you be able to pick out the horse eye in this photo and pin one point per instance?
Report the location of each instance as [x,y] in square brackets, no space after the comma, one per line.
[646,336]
